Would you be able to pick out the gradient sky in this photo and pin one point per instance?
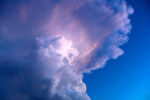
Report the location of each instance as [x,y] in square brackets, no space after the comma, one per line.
[128,77]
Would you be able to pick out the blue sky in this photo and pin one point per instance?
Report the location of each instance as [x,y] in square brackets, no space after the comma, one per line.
[128,77]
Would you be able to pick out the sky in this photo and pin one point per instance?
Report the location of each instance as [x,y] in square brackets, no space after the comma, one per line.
[128,77]
[74,50]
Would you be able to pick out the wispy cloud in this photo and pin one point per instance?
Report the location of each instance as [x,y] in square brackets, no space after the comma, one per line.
[46,46]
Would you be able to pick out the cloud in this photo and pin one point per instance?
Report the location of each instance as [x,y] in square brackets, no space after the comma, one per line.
[45,47]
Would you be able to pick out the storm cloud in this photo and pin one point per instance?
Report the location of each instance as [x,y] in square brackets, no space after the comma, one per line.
[47,46]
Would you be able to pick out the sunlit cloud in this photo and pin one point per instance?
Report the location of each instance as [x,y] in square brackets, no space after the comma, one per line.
[47,46]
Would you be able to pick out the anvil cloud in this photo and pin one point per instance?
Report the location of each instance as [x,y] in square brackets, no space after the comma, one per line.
[46,46]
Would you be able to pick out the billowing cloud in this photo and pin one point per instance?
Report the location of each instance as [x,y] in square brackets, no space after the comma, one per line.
[46,46]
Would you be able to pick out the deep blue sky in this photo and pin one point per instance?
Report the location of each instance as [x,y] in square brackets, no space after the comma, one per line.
[128,77]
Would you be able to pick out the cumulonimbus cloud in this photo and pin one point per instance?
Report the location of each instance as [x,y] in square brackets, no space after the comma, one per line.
[46,46]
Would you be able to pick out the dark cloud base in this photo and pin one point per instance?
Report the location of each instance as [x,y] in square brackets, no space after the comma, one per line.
[47,45]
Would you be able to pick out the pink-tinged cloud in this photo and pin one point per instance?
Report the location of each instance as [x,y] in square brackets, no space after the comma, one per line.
[48,45]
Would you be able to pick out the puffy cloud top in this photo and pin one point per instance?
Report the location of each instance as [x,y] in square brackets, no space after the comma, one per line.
[46,46]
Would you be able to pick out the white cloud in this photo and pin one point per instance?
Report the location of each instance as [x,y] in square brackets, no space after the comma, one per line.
[44,51]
